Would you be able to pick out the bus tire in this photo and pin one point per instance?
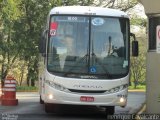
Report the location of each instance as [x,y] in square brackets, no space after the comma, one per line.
[41,101]
[49,108]
[110,110]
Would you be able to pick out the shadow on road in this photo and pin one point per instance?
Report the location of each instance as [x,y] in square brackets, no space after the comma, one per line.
[71,111]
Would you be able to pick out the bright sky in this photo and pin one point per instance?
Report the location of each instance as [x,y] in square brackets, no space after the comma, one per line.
[138,10]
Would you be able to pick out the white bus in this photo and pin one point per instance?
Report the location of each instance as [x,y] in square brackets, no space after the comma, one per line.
[85,57]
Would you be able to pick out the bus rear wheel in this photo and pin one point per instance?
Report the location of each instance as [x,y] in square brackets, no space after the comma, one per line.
[110,110]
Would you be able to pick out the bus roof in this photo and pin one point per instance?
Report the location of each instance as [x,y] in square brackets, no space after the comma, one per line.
[88,10]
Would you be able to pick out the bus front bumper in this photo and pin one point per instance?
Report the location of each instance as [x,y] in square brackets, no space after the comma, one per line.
[98,99]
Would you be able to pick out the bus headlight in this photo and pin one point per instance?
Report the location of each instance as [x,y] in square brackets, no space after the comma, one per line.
[50,96]
[117,89]
[122,100]
[55,85]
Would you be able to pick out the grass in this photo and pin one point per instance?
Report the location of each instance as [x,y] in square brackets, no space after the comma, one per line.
[26,89]
[139,87]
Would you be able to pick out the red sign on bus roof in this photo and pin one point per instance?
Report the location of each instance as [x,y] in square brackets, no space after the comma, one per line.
[53,26]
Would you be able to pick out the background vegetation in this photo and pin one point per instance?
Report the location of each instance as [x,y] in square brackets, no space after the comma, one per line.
[21,24]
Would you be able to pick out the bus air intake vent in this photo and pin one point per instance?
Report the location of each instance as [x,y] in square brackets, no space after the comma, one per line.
[87,91]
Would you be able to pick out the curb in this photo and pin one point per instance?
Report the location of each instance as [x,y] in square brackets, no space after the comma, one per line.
[141,111]
[136,90]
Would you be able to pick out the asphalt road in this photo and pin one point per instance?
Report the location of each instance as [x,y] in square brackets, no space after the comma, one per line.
[30,109]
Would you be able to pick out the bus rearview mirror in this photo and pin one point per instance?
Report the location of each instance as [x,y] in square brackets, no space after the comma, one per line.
[134,48]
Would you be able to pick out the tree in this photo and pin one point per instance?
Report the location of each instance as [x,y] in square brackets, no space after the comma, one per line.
[9,14]
[21,23]
[138,64]
[123,5]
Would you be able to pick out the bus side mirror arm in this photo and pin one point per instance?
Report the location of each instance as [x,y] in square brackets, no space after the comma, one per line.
[135,49]
[42,43]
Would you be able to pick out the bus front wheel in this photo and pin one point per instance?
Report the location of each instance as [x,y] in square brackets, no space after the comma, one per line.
[41,101]
[49,108]
[110,110]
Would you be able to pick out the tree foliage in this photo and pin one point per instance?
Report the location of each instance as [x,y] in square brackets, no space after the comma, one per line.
[9,14]
[139,21]
[138,64]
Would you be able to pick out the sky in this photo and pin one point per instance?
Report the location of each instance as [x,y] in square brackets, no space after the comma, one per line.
[138,10]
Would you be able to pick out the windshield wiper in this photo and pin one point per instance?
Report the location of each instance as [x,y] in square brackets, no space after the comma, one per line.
[97,60]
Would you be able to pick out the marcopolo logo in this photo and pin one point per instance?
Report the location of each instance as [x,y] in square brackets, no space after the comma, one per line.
[87,86]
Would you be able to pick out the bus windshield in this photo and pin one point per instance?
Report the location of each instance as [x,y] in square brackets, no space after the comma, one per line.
[88,45]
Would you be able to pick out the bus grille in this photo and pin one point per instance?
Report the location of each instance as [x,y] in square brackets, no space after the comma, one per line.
[87,91]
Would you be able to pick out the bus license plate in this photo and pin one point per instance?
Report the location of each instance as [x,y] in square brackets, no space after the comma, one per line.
[86,99]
